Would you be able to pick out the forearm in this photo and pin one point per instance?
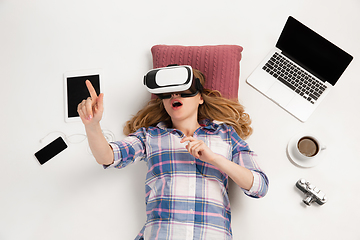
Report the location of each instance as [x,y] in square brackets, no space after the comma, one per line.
[242,176]
[100,148]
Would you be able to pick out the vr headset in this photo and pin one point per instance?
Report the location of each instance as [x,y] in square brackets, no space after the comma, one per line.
[172,79]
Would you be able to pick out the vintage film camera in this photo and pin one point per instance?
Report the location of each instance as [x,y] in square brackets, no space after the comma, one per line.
[312,193]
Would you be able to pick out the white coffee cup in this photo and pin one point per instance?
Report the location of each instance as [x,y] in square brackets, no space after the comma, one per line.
[307,147]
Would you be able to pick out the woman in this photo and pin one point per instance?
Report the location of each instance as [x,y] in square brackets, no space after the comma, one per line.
[192,143]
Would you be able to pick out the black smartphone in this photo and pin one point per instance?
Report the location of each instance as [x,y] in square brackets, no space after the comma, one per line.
[50,150]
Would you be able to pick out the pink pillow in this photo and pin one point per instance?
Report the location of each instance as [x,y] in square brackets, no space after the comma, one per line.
[220,64]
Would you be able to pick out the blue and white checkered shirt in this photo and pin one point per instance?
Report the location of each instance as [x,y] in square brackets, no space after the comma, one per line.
[185,197]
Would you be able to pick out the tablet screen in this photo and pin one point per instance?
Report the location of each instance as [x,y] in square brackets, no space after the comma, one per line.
[77,91]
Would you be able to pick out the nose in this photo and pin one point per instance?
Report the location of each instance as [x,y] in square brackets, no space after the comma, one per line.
[175,94]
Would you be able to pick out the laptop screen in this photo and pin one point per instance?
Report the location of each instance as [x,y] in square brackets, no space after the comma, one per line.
[313,52]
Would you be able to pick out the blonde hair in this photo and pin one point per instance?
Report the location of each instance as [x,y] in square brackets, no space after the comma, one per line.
[215,107]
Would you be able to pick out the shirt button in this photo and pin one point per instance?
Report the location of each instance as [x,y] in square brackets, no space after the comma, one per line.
[192,162]
[191,211]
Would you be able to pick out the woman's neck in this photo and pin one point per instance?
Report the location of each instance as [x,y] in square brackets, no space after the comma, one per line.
[187,126]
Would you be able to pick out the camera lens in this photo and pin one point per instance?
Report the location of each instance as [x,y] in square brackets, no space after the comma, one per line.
[308,200]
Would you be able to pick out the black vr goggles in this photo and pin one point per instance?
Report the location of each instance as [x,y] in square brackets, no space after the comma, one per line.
[172,79]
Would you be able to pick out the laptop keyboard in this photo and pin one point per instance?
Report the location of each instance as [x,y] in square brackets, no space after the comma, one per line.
[294,77]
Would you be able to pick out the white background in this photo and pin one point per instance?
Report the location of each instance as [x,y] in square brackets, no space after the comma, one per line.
[71,197]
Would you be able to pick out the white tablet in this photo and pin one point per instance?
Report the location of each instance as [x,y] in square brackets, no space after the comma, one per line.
[75,90]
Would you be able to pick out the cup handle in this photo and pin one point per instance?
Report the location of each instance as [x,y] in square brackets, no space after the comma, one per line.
[323,147]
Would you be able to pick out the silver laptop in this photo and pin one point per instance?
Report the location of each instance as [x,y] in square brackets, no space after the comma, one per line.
[300,71]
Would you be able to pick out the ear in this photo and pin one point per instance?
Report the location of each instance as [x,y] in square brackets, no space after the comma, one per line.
[201,100]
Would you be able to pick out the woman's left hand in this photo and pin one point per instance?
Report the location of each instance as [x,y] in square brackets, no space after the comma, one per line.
[199,150]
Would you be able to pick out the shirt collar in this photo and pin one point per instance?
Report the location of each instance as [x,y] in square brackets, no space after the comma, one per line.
[205,124]
[162,125]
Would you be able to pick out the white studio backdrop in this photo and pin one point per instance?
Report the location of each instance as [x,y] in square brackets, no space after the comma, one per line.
[72,197]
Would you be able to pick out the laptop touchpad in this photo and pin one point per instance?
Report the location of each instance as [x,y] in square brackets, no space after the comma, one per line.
[280,94]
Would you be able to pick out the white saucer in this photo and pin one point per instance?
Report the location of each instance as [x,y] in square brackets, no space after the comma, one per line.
[300,162]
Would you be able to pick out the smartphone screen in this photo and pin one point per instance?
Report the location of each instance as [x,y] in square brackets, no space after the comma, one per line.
[50,150]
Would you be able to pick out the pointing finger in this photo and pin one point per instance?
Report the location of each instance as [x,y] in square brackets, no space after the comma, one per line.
[91,90]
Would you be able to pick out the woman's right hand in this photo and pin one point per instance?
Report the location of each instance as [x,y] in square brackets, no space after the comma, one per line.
[91,109]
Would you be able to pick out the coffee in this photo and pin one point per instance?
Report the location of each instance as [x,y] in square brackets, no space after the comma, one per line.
[308,147]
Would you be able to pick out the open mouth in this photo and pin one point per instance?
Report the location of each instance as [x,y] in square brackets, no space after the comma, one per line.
[176,104]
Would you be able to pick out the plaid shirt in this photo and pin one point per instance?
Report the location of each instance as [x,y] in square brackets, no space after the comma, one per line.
[185,197]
